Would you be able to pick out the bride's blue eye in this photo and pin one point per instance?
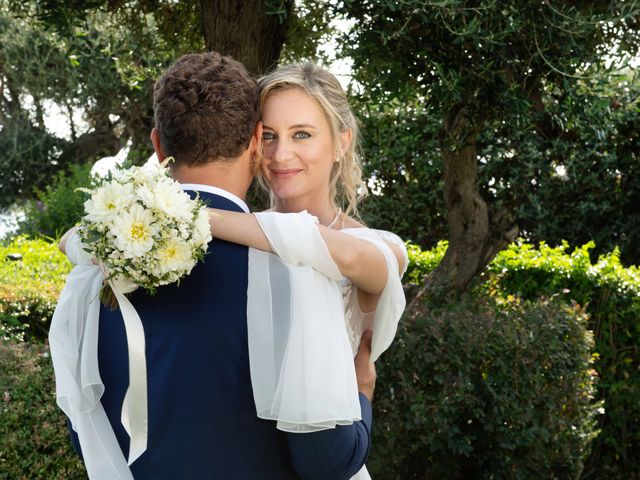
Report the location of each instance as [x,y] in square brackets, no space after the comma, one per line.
[266,136]
[301,135]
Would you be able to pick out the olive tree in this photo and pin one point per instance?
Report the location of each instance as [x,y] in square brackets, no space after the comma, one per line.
[479,67]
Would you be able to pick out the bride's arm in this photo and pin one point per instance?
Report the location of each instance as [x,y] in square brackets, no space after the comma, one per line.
[358,260]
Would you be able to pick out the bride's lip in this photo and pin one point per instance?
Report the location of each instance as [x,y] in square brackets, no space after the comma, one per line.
[282,174]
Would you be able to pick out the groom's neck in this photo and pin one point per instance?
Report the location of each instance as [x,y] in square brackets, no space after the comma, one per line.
[230,175]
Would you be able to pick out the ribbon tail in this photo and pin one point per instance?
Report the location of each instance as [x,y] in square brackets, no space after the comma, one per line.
[134,415]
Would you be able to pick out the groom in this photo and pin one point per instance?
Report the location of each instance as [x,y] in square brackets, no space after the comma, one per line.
[202,417]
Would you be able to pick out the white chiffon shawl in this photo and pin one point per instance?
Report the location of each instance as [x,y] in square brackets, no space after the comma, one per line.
[302,368]
[73,340]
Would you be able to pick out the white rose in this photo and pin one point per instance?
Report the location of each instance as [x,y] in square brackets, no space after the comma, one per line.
[202,229]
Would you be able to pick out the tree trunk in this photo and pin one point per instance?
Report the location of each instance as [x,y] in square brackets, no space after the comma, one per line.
[91,146]
[245,31]
[476,232]
[138,119]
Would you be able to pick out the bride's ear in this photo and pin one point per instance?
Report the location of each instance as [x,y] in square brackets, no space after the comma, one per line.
[345,140]
[157,145]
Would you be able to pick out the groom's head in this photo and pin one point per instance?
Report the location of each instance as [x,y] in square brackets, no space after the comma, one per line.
[206,108]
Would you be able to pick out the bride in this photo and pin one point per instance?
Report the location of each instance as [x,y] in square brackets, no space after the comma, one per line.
[310,164]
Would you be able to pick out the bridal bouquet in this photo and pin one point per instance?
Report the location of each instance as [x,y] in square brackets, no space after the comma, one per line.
[142,227]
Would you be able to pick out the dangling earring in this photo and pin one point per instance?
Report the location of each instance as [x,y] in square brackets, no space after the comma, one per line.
[337,160]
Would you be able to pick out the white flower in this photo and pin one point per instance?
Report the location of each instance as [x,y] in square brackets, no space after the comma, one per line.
[134,231]
[148,230]
[167,197]
[149,174]
[202,229]
[108,202]
[174,255]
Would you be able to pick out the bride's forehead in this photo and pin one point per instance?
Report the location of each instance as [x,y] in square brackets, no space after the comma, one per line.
[294,100]
[291,106]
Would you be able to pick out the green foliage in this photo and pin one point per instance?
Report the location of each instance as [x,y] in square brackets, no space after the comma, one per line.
[422,262]
[59,206]
[543,86]
[35,440]
[30,287]
[486,391]
[581,185]
[310,27]
[610,293]
[83,59]
[402,162]
[488,55]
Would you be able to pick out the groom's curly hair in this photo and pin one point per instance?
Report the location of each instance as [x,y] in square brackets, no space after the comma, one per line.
[206,107]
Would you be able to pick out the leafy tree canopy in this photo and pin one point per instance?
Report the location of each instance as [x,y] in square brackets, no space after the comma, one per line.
[491,81]
[101,58]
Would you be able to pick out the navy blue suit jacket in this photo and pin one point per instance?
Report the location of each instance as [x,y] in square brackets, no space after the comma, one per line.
[202,418]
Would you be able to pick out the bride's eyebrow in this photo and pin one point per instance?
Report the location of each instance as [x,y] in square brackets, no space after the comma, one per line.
[297,125]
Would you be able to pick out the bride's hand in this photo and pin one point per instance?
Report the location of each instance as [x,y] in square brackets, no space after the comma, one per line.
[70,245]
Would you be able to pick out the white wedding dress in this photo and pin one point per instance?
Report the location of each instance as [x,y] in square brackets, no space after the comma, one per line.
[305,324]
[357,321]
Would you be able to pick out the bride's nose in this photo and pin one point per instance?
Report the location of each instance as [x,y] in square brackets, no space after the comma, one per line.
[281,152]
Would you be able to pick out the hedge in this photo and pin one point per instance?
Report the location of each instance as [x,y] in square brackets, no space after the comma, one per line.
[35,443]
[485,389]
[29,286]
[455,363]
[611,295]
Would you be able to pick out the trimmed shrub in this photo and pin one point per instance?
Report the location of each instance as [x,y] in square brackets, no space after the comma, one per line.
[486,390]
[422,262]
[35,441]
[30,286]
[59,206]
[611,294]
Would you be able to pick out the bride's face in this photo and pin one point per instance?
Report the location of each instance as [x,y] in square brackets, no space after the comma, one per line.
[298,148]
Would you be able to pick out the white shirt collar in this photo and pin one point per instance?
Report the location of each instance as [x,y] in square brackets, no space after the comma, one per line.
[216,191]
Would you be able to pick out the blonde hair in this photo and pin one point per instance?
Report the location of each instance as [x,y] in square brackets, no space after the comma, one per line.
[346,185]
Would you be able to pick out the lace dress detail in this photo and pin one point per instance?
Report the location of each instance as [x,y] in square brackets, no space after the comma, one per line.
[354,326]
[355,319]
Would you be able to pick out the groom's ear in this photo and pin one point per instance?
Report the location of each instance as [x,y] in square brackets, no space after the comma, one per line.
[257,136]
[157,145]
[256,149]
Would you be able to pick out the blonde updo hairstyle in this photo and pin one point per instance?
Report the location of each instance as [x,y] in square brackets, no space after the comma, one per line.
[346,185]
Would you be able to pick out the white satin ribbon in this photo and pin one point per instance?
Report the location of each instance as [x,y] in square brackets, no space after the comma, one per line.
[73,339]
[134,407]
